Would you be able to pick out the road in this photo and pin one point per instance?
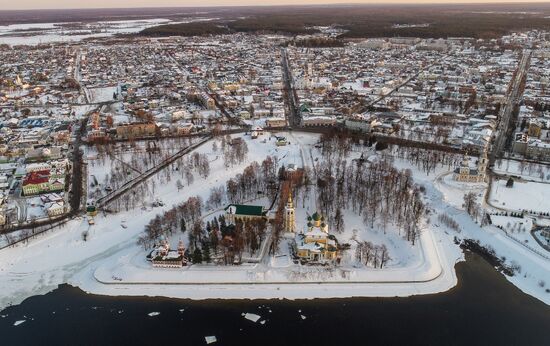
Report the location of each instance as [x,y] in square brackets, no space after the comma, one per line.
[506,113]
[78,75]
[291,97]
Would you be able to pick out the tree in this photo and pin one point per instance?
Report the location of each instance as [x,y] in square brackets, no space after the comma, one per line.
[179,184]
[338,221]
[510,182]
[214,239]
[189,176]
[470,202]
[197,256]
[206,252]
[197,230]
[183,226]
[384,255]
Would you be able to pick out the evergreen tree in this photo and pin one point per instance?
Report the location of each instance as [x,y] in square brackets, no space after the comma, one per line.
[214,239]
[197,256]
[206,253]
[510,182]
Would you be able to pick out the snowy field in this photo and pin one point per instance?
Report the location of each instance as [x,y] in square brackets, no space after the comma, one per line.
[522,196]
[54,32]
[454,191]
[126,162]
[44,33]
[97,95]
[111,252]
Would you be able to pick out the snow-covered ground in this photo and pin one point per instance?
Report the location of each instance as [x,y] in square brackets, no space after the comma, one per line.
[525,170]
[523,195]
[454,191]
[96,95]
[43,33]
[111,252]
[126,161]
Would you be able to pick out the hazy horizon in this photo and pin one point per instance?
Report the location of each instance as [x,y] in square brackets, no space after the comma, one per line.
[98,4]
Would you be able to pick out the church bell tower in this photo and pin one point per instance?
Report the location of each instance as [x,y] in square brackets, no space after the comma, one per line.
[290,216]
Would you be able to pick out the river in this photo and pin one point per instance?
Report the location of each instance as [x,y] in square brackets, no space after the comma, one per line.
[484,309]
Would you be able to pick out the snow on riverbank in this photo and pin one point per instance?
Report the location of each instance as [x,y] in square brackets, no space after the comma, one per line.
[425,268]
[61,256]
[52,259]
[533,267]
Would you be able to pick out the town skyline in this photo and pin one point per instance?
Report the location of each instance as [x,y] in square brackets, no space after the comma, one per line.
[122,4]
[319,172]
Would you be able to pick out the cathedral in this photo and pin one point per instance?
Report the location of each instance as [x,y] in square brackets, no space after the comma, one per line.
[314,243]
[465,173]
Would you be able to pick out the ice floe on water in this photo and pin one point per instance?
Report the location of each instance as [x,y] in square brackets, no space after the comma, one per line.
[153,314]
[210,339]
[251,317]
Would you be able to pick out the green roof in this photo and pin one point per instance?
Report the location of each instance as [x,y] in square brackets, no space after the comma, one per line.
[304,108]
[250,210]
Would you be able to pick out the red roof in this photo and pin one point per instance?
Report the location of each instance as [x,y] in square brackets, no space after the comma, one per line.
[37,177]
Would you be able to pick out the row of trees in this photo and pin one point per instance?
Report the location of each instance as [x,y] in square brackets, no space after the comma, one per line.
[473,208]
[379,192]
[376,191]
[370,254]
[255,178]
[449,222]
[216,239]
[176,218]
[427,159]
[234,151]
[228,243]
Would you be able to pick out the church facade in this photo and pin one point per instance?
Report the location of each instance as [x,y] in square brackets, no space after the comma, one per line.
[315,243]
[468,174]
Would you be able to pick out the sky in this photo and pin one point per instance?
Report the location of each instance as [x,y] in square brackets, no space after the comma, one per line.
[53,4]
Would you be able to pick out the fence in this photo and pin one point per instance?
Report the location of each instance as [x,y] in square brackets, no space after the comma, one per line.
[48,227]
[527,246]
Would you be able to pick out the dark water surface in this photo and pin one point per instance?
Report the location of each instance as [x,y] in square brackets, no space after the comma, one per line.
[484,309]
